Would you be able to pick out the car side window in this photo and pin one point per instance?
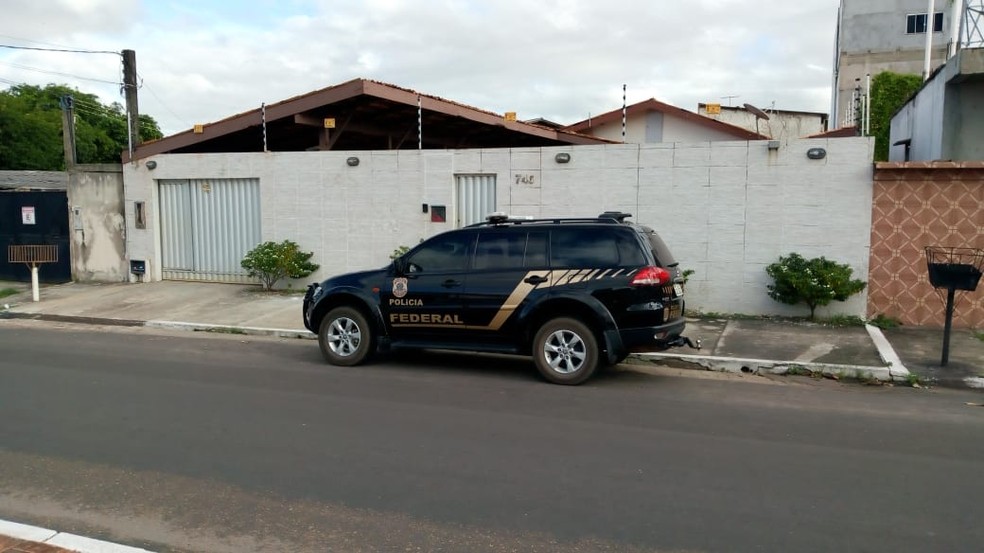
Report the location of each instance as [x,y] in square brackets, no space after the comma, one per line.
[449,252]
[500,250]
[582,248]
[536,250]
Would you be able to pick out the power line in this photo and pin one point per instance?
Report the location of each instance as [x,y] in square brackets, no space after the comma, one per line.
[143,84]
[65,50]
[59,73]
[118,117]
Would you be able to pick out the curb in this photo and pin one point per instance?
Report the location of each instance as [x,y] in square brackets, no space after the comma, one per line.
[975,382]
[70,319]
[166,325]
[69,542]
[887,352]
[740,365]
[227,329]
[893,371]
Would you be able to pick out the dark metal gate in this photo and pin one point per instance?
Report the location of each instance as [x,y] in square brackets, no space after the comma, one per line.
[35,218]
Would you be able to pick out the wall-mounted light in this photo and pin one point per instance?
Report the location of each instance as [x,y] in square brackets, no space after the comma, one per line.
[562,157]
[816,153]
[352,161]
[151,165]
[773,144]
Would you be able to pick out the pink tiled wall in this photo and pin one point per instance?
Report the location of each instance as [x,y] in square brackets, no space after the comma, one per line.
[919,204]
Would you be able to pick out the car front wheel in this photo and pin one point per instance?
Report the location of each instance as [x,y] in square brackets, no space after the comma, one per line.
[345,337]
[565,351]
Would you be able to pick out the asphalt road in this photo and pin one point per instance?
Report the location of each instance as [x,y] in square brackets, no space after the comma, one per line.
[202,442]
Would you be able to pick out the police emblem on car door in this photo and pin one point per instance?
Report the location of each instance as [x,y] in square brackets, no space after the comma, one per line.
[425,299]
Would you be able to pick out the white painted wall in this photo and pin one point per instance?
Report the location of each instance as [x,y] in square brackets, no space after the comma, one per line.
[678,129]
[726,209]
[674,129]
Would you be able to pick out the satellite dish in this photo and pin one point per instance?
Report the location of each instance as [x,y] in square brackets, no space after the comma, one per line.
[759,114]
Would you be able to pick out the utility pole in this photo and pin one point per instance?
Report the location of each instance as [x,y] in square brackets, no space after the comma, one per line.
[68,130]
[930,20]
[130,91]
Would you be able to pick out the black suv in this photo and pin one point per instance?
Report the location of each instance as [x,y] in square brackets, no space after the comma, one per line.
[573,293]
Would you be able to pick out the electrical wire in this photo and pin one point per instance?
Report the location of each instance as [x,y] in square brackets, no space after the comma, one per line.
[59,73]
[108,113]
[64,50]
[165,106]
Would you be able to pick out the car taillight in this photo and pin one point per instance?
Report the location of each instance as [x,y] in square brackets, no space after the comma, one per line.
[651,276]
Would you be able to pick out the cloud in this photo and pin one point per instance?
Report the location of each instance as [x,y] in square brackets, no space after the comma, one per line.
[559,59]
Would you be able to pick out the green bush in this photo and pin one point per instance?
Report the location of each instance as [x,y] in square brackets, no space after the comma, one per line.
[271,262]
[399,251]
[815,282]
[889,92]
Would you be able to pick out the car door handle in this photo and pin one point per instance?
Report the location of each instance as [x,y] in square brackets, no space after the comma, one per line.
[451,283]
[535,279]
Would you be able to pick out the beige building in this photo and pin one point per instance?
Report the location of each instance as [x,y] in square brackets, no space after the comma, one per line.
[780,125]
[884,35]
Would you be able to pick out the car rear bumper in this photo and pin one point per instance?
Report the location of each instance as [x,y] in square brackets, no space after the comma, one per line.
[653,338]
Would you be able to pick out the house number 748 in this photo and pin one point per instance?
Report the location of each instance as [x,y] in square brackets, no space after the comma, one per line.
[525,179]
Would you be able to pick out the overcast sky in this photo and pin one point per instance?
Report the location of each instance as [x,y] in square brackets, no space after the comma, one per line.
[201,60]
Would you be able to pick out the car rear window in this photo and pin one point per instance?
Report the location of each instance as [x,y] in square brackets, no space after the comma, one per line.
[662,254]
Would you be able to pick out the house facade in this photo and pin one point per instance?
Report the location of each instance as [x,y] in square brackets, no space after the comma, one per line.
[652,122]
[727,208]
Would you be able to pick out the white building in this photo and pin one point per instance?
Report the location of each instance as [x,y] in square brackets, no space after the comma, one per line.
[652,121]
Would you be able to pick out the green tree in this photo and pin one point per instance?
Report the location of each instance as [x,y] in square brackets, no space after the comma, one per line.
[815,282]
[271,262]
[889,92]
[31,128]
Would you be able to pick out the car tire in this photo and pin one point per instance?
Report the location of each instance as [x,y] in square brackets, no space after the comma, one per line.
[565,351]
[345,337]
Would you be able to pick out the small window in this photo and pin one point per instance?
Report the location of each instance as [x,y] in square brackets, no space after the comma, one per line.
[915,23]
[140,215]
[442,253]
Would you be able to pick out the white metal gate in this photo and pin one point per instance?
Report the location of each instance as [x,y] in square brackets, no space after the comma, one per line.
[476,198]
[207,226]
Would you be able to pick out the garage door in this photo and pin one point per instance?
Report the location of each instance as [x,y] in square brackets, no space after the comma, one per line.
[207,226]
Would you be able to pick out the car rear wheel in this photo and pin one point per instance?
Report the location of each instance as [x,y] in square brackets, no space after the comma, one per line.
[345,337]
[565,351]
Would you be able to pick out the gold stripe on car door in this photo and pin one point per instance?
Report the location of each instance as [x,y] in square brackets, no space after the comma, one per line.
[517,296]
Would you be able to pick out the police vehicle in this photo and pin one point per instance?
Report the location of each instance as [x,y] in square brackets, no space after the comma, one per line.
[575,293]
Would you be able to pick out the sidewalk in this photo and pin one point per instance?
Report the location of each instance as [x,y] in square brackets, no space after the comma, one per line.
[735,345]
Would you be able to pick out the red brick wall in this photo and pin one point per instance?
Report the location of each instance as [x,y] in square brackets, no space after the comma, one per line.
[919,204]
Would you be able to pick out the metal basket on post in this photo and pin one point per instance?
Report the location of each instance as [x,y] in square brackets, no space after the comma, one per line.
[953,269]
